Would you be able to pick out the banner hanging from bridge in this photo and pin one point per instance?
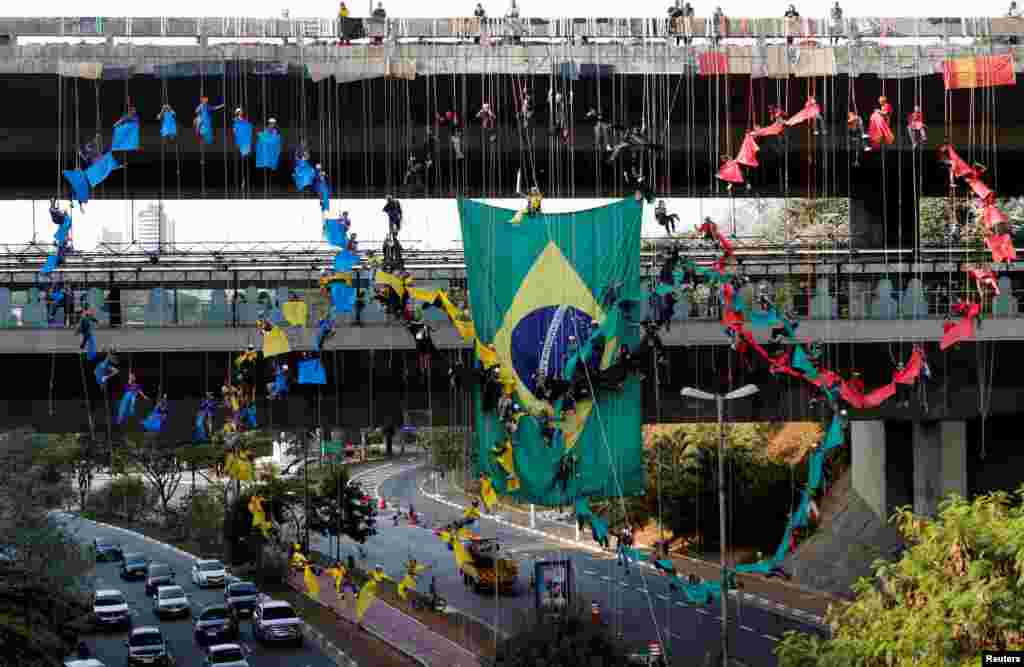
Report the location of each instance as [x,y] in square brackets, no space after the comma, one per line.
[979,72]
[538,290]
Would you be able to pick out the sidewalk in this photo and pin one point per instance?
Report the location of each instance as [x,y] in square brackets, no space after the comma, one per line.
[775,594]
[393,627]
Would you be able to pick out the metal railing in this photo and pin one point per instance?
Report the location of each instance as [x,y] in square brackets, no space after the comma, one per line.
[934,301]
[535,27]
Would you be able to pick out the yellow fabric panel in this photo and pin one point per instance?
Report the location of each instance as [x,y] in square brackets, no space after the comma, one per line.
[275,342]
[393,281]
[312,583]
[487,493]
[295,312]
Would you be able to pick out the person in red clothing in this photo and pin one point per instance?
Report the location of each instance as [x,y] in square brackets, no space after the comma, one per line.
[878,129]
[885,107]
[731,173]
[916,128]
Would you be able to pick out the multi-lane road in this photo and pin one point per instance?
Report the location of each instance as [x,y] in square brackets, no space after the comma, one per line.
[108,645]
[639,604]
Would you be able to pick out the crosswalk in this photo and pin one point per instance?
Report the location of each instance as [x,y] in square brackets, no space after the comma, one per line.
[370,479]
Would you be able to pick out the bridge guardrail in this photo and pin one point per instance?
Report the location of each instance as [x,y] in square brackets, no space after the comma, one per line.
[805,298]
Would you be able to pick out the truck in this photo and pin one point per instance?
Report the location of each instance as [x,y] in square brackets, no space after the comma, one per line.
[491,572]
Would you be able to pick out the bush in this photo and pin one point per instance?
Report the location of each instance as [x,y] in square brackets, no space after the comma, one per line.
[201,513]
[123,498]
[572,640]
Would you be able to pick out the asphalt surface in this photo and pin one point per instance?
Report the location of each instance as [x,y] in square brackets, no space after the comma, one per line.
[637,603]
[108,645]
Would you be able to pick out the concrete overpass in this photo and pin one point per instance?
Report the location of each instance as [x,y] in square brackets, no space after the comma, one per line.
[627,67]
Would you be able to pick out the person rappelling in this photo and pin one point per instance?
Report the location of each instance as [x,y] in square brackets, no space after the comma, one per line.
[602,130]
[91,151]
[665,219]
[203,121]
[559,114]
[488,120]
[636,181]
[856,136]
[916,127]
[393,209]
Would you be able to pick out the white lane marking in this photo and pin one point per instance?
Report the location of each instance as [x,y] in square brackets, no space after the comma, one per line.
[703,611]
[748,629]
[680,604]
[591,573]
[605,578]
[771,638]
[663,597]
[624,584]
[642,590]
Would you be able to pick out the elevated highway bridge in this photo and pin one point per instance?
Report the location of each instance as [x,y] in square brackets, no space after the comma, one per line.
[362,107]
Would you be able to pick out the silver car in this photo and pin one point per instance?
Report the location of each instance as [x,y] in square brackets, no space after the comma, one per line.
[225,655]
[171,601]
[109,607]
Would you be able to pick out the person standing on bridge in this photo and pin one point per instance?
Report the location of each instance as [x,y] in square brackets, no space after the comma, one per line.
[837,22]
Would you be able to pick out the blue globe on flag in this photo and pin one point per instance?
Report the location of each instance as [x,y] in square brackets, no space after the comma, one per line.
[541,341]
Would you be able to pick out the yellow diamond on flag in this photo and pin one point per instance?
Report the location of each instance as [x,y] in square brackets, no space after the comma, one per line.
[551,282]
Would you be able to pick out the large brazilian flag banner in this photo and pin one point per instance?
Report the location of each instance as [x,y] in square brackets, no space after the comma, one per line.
[532,286]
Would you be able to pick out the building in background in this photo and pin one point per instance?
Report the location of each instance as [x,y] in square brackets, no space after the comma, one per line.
[154,231]
[111,240]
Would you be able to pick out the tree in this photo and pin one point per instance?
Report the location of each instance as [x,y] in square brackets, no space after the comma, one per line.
[159,463]
[445,446]
[569,640]
[956,591]
[821,222]
[76,453]
[340,507]
[43,569]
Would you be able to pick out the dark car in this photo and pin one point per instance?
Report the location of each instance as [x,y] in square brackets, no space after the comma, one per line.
[241,598]
[215,623]
[134,566]
[157,575]
[107,551]
[146,646]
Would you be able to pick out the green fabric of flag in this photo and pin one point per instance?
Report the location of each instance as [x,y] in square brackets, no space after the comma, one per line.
[538,292]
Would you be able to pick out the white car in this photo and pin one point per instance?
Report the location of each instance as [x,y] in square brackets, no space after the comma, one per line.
[208,573]
[87,662]
[275,620]
[225,655]
[110,607]
[171,601]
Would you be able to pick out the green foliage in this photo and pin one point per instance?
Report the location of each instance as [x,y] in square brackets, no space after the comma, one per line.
[123,497]
[572,640]
[202,514]
[445,447]
[41,580]
[682,469]
[338,507]
[819,222]
[956,591]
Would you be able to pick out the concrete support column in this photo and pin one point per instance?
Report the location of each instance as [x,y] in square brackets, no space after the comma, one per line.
[867,440]
[940,463]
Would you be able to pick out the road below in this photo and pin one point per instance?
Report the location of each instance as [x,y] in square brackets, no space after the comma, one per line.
[108,646]
[638,604]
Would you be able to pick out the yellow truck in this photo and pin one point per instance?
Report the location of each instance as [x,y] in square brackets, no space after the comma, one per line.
[491,572]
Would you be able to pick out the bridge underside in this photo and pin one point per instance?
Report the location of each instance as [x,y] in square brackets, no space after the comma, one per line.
[362,132]
[377,387]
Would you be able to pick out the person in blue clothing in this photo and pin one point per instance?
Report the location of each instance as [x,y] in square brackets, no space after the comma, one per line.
[168,122]
[129,116]
[203,122]
[107,368]
[91,151]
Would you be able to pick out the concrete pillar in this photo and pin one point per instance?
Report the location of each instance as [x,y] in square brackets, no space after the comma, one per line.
[954,458]
[867,440]
[940,463]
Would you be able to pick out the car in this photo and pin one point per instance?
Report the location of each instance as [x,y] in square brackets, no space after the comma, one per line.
[107,551]
[146,646]
[275,620]
[110,608]
[225,655]
[215,622]
[241,598]
[158,574]
[83,662]
[133,566]
[171,601]
[208,573]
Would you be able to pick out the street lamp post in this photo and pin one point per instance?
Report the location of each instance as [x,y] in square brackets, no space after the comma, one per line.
[720,399]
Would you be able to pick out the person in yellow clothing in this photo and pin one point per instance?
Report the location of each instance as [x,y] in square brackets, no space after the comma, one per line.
[412,571]
[368,593]
[338,573]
